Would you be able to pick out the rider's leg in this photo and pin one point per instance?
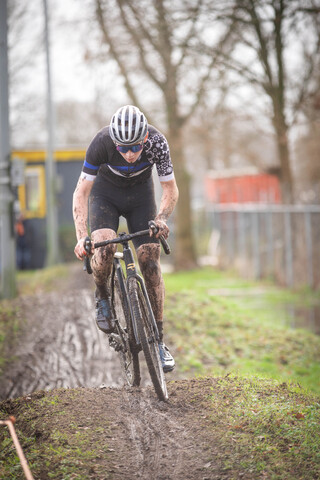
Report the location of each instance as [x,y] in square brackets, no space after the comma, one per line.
[149,262]
[104,221]
[101,262]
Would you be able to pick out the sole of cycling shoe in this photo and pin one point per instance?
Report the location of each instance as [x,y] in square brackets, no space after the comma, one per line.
[104,330]
[168,369]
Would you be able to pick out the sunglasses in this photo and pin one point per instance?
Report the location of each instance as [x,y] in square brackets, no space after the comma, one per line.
[133,148]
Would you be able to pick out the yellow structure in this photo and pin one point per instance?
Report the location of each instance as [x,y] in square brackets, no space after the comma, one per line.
[32,194]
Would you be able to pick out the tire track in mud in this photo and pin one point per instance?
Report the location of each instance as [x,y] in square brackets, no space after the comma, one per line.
[159,444]
[60,346]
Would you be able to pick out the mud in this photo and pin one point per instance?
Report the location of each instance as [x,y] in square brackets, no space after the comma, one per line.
[137,436]
[149,262]
[60,345]
[164,440]
[101,261]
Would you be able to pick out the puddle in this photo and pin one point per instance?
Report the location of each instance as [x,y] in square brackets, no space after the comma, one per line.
[303,317]
[293,316]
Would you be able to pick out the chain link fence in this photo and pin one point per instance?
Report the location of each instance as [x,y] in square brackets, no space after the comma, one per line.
[265,241]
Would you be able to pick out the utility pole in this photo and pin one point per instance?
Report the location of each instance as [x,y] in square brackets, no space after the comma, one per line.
[51,174]
[7,238]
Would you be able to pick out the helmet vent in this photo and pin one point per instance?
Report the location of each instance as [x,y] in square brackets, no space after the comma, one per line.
[128,125]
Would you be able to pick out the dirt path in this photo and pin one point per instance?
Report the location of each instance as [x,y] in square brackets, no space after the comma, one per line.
[60,345]
[128,432]
[156,440]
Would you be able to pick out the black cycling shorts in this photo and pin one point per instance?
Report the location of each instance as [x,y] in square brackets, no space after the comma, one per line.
[135,203]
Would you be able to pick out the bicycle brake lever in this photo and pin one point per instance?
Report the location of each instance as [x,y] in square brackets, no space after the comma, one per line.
[164,243]
[87,245]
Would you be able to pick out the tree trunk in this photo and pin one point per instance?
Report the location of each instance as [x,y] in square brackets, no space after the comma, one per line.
[286,179]
[184,252]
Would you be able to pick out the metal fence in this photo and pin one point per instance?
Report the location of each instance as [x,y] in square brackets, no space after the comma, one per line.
[267,241]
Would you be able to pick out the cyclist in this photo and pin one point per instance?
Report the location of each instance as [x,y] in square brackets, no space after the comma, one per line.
[116,180]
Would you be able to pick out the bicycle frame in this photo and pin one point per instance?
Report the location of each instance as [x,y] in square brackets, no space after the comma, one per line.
[131,271]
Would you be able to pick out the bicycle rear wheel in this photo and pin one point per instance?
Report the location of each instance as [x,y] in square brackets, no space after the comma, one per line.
[147,336]
[123,339]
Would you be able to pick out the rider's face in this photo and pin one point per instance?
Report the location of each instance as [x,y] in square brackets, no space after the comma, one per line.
[130,156]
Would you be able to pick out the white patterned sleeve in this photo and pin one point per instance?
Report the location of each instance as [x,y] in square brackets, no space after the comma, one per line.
[158,153]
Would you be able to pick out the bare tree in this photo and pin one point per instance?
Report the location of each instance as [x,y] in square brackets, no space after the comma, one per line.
[77,123]
[154,45]
[278,50]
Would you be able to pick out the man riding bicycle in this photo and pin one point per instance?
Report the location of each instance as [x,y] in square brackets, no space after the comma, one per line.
[116,181]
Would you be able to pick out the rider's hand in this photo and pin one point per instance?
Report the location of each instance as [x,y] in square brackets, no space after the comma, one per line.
[163,228]
[79,249]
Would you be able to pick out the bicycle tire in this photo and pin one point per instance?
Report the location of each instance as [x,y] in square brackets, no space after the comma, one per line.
[129,356]
[147,337]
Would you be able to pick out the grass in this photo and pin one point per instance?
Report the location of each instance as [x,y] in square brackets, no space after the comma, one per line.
[58,439]
[9,326]
[43,280]
[215,330]
[267,429]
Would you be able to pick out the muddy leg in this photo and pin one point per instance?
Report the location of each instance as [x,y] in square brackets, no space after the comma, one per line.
[149,262]
[101,262]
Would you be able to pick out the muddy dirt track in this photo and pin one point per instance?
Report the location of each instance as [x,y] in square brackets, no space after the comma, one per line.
[61,347]
[129,433]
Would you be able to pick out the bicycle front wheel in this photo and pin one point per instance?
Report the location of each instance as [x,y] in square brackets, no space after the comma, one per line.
[129,358]
[147,337]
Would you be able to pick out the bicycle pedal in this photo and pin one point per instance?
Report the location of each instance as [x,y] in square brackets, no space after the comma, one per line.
[115,342]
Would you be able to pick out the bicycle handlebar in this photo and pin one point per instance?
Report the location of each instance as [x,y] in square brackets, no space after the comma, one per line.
[124,237]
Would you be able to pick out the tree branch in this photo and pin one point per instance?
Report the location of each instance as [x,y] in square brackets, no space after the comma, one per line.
[185,44]
[137,39]
[279,12]
[214,58]
[313,62]
[141,25]
[263,50]
[114,53]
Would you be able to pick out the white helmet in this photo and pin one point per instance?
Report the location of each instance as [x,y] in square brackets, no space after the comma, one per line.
[128,126]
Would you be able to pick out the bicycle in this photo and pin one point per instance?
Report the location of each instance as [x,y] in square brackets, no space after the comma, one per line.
[135,326]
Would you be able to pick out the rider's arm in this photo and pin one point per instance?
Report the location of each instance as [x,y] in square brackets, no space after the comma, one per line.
[80,213]
[169,198]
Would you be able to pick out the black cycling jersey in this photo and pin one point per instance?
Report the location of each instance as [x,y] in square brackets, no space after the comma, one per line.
[103,159]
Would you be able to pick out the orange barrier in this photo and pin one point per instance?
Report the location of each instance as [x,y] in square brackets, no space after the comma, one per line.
[9,423]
